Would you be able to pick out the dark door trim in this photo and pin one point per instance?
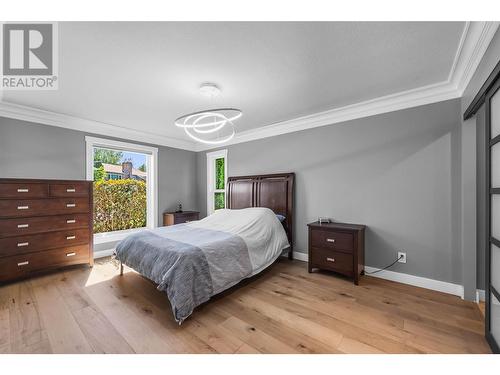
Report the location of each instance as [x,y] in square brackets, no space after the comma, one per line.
[489,143]
[480,97]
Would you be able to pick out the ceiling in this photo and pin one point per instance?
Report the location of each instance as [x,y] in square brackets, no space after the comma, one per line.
[140,76]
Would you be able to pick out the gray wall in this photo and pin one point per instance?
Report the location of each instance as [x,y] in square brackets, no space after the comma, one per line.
[398,173]
[486,66]
[30,150]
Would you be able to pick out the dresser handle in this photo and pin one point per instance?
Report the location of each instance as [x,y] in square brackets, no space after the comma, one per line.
[23,207]
[23,190]
[23,225]
[72,190]
[25,263]
[70,205]
[330,260]
[22,244]
[70,237]
[72,221]
[332,240]
[70,254]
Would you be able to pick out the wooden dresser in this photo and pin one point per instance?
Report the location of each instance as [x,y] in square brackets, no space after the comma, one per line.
[172,218]
[44,224]
[337,247]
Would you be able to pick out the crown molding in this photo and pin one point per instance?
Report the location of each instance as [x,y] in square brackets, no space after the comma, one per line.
[394,102]
[474,41]
[39,116]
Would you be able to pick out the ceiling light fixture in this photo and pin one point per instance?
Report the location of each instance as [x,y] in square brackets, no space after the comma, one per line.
[210,90]
[214,126]
[209,122]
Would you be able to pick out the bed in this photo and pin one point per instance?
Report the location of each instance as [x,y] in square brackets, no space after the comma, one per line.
[194,261]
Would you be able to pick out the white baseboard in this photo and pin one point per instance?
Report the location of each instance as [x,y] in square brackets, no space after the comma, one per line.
[404,278]
[103,253]
[422,282]
[303,257]
[480,295]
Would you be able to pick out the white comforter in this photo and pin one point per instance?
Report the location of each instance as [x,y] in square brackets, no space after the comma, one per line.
[262,232]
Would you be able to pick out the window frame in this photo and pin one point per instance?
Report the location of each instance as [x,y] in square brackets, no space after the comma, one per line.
[151,183]
[211,180]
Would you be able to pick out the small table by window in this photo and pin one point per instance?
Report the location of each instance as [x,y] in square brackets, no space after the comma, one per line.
[172,218]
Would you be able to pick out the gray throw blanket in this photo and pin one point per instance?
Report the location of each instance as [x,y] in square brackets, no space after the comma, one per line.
[189,264]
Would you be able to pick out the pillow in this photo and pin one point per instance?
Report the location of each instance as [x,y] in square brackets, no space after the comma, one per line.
[281,218]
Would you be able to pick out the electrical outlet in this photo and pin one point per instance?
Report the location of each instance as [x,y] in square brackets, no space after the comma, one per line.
[401,257]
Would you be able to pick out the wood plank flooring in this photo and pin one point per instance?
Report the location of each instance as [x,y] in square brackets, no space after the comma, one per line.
[284,310]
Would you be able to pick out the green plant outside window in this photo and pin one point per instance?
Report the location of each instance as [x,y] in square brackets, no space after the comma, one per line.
[219,200]
[219,174]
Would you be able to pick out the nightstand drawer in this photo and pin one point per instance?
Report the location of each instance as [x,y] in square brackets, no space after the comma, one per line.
[332,240]
[332,260]
[185,218]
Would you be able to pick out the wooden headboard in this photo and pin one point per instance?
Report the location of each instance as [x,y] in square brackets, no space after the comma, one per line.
[274,191]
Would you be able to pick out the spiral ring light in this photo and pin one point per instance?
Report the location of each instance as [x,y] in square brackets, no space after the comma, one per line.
[207,126]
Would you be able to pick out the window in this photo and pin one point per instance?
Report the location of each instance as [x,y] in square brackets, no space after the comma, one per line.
[125,187]
[216,180]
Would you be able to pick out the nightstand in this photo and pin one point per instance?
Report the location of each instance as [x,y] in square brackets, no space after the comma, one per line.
[337,247]
[172,218]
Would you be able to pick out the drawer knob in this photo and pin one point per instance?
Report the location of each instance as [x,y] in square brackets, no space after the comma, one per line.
[70,190]
[332,240]
[23,244]
[23,190]
[23,226]
[330,260]
[23,207]
[70,237]
[70,254]
[70,205]
[25,263]
[72,221]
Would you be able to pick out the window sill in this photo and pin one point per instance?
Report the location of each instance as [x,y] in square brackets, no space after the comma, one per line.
[118,235]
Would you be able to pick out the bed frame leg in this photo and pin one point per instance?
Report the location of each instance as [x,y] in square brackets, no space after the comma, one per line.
[121,269]
[290,254]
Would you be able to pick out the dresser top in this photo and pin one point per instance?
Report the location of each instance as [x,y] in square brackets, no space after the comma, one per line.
[181,213]
[39,181]
[344,226]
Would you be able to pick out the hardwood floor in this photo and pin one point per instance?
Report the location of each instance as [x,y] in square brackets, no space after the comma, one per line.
[285,310]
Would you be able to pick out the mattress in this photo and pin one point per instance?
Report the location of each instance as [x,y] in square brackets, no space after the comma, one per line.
[194,261]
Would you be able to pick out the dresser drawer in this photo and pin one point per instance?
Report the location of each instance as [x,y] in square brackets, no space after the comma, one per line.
[37,242]
[77,189]
[22,265]
[18,190]
[332,260]
[31,225]
[332,240]
[42,207]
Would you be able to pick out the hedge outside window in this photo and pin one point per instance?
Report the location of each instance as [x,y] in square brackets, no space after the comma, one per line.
[119,205]
[120,190]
